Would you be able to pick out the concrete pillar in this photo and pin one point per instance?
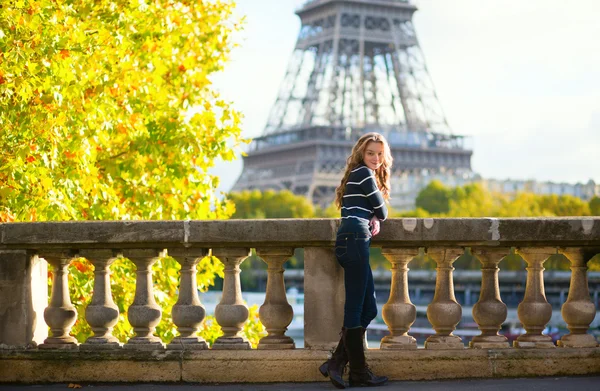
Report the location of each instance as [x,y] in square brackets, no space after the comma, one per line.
[399,313]
[535,311]
[23,298]
[276,313]
[578,311]
[231,312]
[444,312]
[489,312]
[188,313]
[324,298]
[60,315]
[144,314]
[102,313]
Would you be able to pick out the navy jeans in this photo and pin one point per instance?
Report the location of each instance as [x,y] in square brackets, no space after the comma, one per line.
[352,253]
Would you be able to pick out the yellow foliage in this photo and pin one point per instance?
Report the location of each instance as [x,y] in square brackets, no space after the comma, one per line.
[96,99]
[473,200]
[270,204]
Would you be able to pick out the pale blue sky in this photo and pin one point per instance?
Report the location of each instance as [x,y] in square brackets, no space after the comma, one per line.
[520,77]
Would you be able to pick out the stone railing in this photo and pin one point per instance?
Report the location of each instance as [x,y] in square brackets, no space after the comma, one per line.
[28,353]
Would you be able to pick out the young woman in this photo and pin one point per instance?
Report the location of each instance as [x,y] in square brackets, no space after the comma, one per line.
[362,196]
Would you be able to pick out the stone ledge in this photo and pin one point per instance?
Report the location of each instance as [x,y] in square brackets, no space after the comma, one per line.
[87,234]
[407,232]
[298,365]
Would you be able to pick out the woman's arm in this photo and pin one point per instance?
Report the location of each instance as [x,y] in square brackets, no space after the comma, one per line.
[369,186]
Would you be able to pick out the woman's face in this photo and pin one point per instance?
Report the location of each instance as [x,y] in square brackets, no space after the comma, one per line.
[373,156]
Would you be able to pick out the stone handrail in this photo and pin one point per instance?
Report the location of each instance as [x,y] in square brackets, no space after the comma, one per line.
[407,232]
[26,247]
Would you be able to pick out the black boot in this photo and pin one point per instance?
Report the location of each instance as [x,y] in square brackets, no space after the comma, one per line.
[334,367]
[360,374]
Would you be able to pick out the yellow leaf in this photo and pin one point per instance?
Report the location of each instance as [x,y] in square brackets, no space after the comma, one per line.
[33,68]
[46,183]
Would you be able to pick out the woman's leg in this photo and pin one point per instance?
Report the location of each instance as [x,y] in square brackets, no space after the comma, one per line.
[369,311]
[334,367]
[360,374]
[356,278]
[360,290]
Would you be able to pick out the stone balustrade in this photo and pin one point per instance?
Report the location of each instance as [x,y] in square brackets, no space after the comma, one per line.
[36,348]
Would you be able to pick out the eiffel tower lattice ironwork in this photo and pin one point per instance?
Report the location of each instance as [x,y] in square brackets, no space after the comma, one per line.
[357,67]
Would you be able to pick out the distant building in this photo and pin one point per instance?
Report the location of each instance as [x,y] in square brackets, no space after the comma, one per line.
[509,186]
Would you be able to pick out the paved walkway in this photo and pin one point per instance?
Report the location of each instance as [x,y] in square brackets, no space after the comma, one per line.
[529,384]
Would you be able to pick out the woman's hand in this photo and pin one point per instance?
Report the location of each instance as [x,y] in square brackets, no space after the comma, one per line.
[374,226]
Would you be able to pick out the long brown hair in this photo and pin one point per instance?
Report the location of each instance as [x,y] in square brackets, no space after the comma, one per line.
[356,158]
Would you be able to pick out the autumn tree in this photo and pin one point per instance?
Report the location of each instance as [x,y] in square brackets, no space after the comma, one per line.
[473,200]
[564,205]
[332,211]
[270,204]
[594,205]
[107,112]
[522,205]
[434,198]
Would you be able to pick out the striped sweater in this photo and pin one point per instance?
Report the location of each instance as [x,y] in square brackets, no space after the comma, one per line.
[362,199]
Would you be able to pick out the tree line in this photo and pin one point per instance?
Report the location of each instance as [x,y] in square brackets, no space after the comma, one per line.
[435,200]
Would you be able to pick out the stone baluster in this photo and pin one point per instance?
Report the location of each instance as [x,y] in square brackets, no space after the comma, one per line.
[579,310]
[60,315]
[535,311]
[399,313]
[102,313]
[276,313]
[489,312]
[231,312]
[144,314]
[444,312]
[188,312]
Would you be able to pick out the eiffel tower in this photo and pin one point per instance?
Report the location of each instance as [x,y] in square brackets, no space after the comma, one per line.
[357,67]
